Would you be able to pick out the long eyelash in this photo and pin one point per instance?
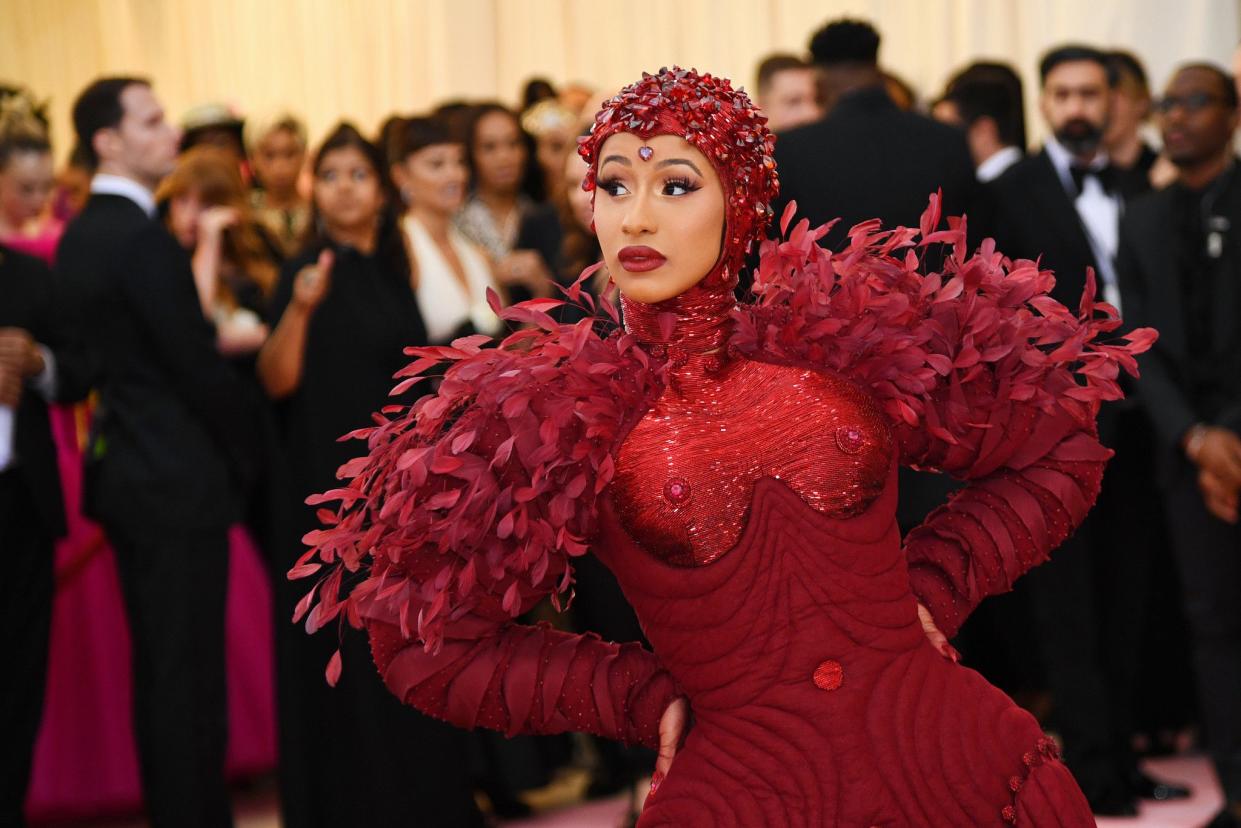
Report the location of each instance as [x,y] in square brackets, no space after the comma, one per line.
[608,185]
[683,183]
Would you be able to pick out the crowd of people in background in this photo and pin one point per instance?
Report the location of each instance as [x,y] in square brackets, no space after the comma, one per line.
[232,300]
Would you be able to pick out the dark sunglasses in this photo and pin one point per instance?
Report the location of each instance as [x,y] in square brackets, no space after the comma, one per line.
[1193,102]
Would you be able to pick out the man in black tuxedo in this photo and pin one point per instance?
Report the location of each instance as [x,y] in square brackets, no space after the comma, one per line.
[1062,206]
[867,159]
[166,449]
[984,101]
[34,370]
[1180,269]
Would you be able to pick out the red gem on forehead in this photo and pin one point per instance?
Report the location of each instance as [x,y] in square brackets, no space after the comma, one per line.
[645,153]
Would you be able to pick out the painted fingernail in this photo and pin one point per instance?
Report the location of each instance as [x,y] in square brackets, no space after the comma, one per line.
[656,778]
[949,652]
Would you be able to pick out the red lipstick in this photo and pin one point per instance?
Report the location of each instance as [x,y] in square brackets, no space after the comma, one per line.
[640,258]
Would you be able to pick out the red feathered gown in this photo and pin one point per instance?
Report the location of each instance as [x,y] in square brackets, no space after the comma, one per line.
[747,507]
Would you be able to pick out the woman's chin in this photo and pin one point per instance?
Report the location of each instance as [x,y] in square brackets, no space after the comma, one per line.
[646,294]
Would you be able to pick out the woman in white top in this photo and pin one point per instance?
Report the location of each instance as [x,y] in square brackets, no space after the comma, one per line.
[453,274]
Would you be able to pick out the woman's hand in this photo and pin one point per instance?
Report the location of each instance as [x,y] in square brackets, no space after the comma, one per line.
[313,281]
[213,221]
[938,640]
[671,733]
[525,268]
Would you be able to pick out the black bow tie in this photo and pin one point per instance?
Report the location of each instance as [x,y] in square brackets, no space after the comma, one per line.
[1105,175]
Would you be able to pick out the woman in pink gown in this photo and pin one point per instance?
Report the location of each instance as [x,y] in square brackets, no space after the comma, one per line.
[735,466]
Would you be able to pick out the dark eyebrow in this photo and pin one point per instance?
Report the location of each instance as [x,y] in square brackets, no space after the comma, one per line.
[620,159]
[669,162]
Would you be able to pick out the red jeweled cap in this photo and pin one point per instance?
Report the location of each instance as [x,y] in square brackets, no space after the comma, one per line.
[722,123]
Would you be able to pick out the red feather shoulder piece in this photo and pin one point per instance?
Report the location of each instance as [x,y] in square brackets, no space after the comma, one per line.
[484,490]
[940,350]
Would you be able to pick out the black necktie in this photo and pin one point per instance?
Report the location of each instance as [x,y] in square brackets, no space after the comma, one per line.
[1106,176]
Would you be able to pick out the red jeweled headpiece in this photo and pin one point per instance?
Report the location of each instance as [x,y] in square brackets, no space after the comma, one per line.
[722,123]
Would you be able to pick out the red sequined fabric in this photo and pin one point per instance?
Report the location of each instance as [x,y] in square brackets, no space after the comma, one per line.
[735,467]
[686,473]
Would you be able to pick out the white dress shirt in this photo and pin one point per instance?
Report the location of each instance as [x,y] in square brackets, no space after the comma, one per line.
[118,185]
[994,167]
[1099,212]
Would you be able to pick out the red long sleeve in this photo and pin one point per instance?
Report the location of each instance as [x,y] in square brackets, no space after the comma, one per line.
[516,678]
[1034,479]
[530,679]
[467,511]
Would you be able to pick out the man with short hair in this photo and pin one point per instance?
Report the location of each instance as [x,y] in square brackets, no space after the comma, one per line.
[867,158]
[986,109]
[788,92]
[1180,268]
[1062,207]
[167,447]
[1129,153]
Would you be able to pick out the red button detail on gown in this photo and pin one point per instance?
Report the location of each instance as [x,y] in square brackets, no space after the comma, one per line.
[829,675]
[676,491]
[850,439]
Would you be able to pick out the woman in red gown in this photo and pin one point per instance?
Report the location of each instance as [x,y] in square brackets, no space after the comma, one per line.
[735,466]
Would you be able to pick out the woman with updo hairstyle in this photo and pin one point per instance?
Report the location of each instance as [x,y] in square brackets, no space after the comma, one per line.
[344,310]
[454,274]
[27,177]
[276,145]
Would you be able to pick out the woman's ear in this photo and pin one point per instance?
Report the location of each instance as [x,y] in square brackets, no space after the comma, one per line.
[400,176]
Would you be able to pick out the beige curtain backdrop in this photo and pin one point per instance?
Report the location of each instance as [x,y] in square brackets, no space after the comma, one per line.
[363,59]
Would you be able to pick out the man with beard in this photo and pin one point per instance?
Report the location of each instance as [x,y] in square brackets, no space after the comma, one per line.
[1180,268]
[1062,206]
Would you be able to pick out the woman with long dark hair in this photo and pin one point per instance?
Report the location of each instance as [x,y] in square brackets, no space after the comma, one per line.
[504,210]
[344,309]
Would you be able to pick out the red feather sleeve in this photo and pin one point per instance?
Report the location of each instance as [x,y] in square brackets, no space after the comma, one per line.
[467,511]
[982,374]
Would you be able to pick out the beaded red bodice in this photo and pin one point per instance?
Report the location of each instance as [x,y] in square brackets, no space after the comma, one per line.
[686,473]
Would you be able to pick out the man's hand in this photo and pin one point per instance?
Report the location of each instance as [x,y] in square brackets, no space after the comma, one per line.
[18,353]
[1220,498]
[1217,451]
[11,383]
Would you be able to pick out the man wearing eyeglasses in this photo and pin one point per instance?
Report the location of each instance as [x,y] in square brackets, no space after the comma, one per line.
[1062,206]
[1180,268]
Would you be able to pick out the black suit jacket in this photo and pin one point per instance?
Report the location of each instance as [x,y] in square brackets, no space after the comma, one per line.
[1033,217]
[869,159]
[170,445]
[1153,289]
[28,301]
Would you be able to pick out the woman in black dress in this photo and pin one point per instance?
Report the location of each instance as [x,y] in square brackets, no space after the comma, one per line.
[343,312]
